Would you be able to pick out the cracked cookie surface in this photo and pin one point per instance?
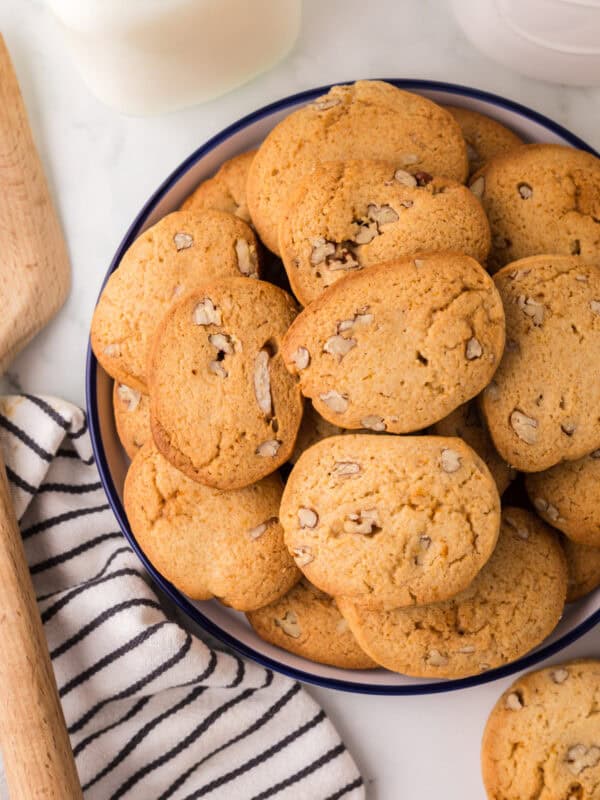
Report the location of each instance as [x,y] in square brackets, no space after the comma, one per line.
[345,216]
[225,191]
[223,407]
[390,521]
[209,543]
[367,119]
[486,138]
[399,346]
[496,619]
[132,417]
[566,496]
[541,198]
[307,622]
[466,422]
[542,405]
[178,254]
[542,738]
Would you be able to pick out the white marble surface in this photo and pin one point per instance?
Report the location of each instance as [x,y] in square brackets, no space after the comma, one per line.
[103,166]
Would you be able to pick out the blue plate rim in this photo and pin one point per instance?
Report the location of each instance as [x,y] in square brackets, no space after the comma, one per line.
[180,600]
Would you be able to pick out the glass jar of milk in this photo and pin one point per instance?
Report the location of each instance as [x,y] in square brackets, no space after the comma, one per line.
[151,56]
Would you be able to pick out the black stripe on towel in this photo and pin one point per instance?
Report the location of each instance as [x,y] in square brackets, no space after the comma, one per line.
[259,759]
[41,566]
[81,430]
[48,410]
[91,626]
[63,453]
[266,717]
[70,488]
[80,586]
[135,709]
[303,773]
[66,516]
[20,482]
[345,789]
[147,728]
[111,657]
[181,746]
[10,426]
[135,687]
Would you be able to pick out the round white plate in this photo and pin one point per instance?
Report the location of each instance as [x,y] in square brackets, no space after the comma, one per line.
[230,626]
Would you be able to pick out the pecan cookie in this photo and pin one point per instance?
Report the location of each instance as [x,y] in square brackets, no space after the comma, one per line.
[542,738]
[584,569]
[390,521]
[486,138]
[398,346]
[495,620]
[541,407]
[307,622]
[345,216]
[541,198]
[368,119]
[209,543]
[178,254]
[223,407]
[466,423]
[567,497]
[132,417]
[225,191]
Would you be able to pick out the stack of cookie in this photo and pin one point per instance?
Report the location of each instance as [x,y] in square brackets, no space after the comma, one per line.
[396,385]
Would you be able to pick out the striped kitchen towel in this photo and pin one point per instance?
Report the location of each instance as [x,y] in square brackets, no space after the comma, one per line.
[152,711]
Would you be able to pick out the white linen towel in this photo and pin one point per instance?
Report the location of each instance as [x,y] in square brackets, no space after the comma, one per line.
[152,711]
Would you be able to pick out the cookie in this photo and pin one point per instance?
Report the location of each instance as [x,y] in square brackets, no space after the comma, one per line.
[495,620]
[542,739]
[466,423]
[486,138]
[567,497]
[584,569]
[225,191]
[367,119]
[307,622]
[397,347]
[132,417]
[223,407]
[209,543]
[541,198]
[390,521]
[344,216]
[541,407]
[178,254]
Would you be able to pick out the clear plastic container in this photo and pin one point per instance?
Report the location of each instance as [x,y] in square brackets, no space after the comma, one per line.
[152,56]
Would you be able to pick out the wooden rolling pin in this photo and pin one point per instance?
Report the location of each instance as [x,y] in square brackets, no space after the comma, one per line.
[34,281]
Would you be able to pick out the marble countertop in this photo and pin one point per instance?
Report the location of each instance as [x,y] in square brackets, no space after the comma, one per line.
[103,166]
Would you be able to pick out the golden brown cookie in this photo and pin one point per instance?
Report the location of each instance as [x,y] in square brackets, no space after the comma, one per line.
[467,423]
[486,138]
[344,216]
[225,191]
[178,254]
[367,119]
[512,605]
[307,622]
[390,520]
[541,407]
[542,739]
[223,407]
[209,543]
[398,346]
[541,198]
[132,417]
[568,497]
[584,569]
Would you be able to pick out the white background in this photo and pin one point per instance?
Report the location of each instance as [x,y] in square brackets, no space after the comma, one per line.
[102,167]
